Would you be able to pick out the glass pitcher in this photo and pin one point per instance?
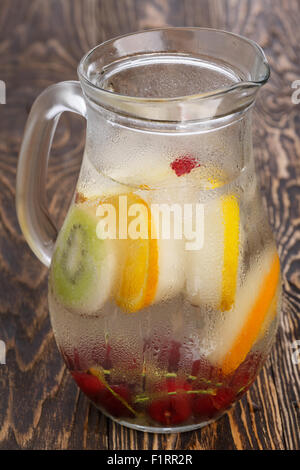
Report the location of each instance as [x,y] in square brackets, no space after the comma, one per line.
[164,283]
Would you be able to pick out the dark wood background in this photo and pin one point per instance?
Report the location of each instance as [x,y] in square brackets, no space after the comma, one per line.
[41,42]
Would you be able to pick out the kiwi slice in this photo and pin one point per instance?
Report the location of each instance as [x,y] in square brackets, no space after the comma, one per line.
[81,270]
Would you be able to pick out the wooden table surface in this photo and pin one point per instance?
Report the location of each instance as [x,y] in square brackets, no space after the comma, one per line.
[41,42]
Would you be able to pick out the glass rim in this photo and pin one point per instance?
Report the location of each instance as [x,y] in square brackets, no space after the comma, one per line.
[193,97]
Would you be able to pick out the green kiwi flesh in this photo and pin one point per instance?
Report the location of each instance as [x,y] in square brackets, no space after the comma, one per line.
[78,263]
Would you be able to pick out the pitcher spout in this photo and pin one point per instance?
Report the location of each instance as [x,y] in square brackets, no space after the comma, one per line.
[175,74]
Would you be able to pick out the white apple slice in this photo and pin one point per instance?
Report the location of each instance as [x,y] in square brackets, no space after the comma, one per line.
[236,331]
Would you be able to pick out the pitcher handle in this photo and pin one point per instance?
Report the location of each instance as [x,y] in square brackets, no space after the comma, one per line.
[34,218]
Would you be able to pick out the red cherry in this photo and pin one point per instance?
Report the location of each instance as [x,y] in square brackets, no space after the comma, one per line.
[206,376]
[203,406]
[207,406]
[72,360]
[184,165]
[171,409]
[112,404]
[102,356]
[169,355]
[223,399]
[172,384]
[113,356]
[245,374]
[203,369]
[174,356]
[89,384]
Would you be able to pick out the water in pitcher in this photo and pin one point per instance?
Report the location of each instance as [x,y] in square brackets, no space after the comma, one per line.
[164,284]
[159,329]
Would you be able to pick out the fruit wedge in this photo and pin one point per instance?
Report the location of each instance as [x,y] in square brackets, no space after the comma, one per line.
[174,406]
[82,269]
[116,399]
[89,384]
[171,272]
[150,269]
[212,271]
[167,215]
[237,330]
[272,312]
[137,257]
[181,186]
[231,226]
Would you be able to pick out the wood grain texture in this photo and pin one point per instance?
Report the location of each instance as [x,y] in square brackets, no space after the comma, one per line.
[41,42]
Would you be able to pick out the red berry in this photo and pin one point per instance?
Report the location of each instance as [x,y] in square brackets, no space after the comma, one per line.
[170,353]
[224,397]
[207,406]
[203,406]
[171,409]
[209,379]
[113,356]
[206,376]
[203,369]
[174,356]
[184,165]
[89,384]
[72,361]
[101,355]
[114,405]
[173,384]
[245,374]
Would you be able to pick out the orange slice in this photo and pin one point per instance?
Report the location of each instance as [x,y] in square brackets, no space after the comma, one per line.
[139,276]
[254,320]
[274,308]
[138,257]
[240,328]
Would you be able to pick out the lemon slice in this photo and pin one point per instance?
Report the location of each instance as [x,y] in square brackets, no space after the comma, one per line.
[231,227]
[236,331]
[212,271]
